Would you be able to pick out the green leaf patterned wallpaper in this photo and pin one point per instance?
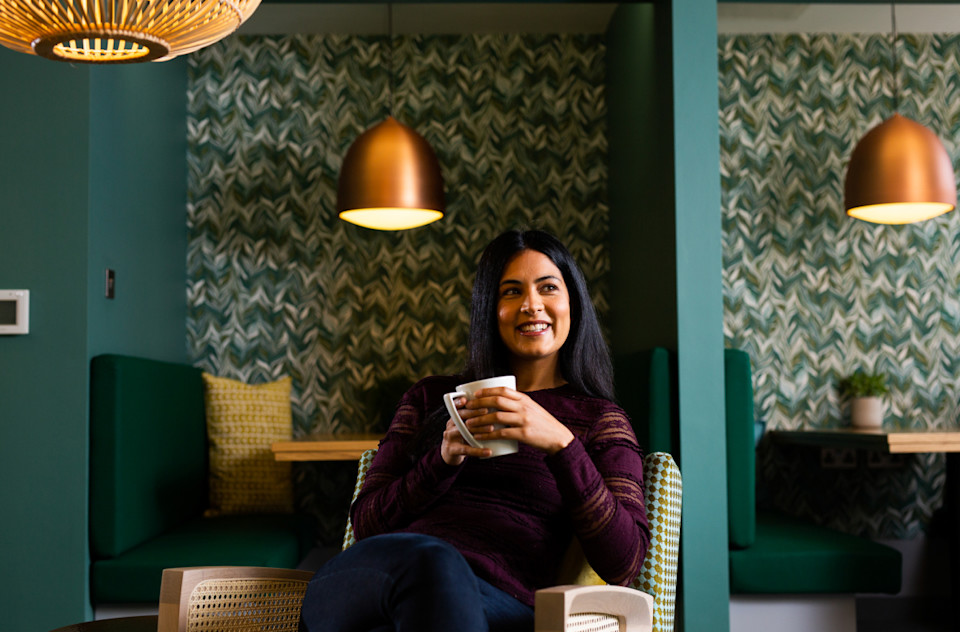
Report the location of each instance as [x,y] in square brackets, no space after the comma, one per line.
[812,294]
[278,285]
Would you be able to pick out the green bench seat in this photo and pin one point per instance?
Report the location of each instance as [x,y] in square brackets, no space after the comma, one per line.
[790,555]
[148,486]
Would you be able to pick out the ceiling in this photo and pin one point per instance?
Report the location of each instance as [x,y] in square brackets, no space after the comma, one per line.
[430,18]
[364,18]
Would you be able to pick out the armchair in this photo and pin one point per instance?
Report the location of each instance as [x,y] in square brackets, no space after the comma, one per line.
[582,603]
[233,599]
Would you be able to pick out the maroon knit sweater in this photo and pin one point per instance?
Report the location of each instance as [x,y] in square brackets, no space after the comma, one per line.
[512,517]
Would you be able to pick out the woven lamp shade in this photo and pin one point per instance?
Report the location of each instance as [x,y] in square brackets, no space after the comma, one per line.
[899,173]
[390,179]
[118,31]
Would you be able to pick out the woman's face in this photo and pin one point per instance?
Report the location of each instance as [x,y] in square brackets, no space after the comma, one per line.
[533,310]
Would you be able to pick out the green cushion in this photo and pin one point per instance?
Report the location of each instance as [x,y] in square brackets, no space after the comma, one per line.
[741,446]
[279,541]
[792,556]
[645,390]
[148,450]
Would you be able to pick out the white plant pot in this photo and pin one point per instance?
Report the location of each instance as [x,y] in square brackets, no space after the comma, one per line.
[866,412]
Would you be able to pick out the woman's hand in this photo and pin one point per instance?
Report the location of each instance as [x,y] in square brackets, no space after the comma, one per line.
[453,448]
[523,419]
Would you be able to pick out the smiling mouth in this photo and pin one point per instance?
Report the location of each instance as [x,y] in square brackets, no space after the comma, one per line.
[533,328]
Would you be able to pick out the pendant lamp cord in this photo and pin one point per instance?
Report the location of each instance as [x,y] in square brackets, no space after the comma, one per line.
[390,54]
[894,58]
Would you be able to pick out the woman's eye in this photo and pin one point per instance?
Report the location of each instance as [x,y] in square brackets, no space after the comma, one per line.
[549,287]
[510,291]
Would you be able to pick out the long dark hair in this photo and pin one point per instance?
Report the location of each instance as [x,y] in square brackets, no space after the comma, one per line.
[584,358]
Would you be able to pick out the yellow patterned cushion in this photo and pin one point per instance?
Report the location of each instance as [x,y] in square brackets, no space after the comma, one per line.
[242,422]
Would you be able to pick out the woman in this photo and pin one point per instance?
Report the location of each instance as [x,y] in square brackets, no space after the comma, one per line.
[449,540]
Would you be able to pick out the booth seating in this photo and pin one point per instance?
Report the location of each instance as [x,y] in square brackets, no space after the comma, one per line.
[777,561]
[764,543]
[779,564]
[148,486]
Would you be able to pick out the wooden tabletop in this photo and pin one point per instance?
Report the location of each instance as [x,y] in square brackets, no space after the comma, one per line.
[328,447]
[912,441]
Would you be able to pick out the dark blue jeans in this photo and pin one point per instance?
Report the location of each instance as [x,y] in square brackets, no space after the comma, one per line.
[406,582]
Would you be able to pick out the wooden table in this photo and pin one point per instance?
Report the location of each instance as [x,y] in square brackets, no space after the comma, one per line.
[914,441]
[328,447]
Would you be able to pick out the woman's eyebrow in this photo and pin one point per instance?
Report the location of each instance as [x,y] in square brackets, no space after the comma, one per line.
[540,280]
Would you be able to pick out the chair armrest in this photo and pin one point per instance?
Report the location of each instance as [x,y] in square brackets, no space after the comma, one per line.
[232,595]
[553,606]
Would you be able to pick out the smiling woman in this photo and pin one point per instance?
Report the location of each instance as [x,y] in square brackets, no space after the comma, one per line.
[452,536]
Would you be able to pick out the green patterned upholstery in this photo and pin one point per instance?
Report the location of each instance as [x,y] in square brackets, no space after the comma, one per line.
[365,460]
[664,493]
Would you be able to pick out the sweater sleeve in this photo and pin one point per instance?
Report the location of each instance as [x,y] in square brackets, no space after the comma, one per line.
[600,478]
[396,488]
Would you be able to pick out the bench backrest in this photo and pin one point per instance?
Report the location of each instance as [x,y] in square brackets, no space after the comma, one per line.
[148,450]
[741,449]
[646,390]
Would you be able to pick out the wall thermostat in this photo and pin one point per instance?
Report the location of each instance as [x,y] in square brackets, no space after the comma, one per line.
[14,312]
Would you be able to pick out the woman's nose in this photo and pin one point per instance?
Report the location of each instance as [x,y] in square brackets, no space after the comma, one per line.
[532,303]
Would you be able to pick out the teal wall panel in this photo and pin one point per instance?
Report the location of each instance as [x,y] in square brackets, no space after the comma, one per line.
[43,375]
[704,563]
[138,209]
[94,165]
[665,227]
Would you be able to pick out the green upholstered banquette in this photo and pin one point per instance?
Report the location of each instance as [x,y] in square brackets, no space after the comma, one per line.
[770,552]
[148,486]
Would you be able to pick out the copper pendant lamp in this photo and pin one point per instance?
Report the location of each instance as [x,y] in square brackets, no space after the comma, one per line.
[899,172]
[390,178]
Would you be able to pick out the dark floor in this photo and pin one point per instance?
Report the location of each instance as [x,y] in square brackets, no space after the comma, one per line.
[884,614]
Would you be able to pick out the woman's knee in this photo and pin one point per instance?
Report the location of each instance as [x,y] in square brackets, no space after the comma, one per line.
[434,559]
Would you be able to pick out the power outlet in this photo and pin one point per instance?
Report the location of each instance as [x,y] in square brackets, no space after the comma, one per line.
[838,458]
[881,460]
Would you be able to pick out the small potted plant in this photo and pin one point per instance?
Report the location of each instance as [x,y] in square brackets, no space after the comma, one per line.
[864,391]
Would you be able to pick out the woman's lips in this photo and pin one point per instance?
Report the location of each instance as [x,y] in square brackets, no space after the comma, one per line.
[533,328]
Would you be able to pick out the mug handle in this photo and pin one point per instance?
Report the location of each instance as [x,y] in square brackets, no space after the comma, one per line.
[455,415]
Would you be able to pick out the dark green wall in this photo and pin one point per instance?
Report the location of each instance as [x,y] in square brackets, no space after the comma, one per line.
[640,190]
[61,219]
[43,376]
[666,257]
[138,216]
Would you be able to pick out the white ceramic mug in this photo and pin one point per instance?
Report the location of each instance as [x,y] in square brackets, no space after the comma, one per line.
[499,447]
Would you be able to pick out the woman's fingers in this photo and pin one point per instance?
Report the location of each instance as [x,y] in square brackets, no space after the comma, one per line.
[520,418]
[453,448]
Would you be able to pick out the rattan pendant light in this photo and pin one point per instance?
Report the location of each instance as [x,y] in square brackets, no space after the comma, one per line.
[118,31]
[899,172]
[390,178]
